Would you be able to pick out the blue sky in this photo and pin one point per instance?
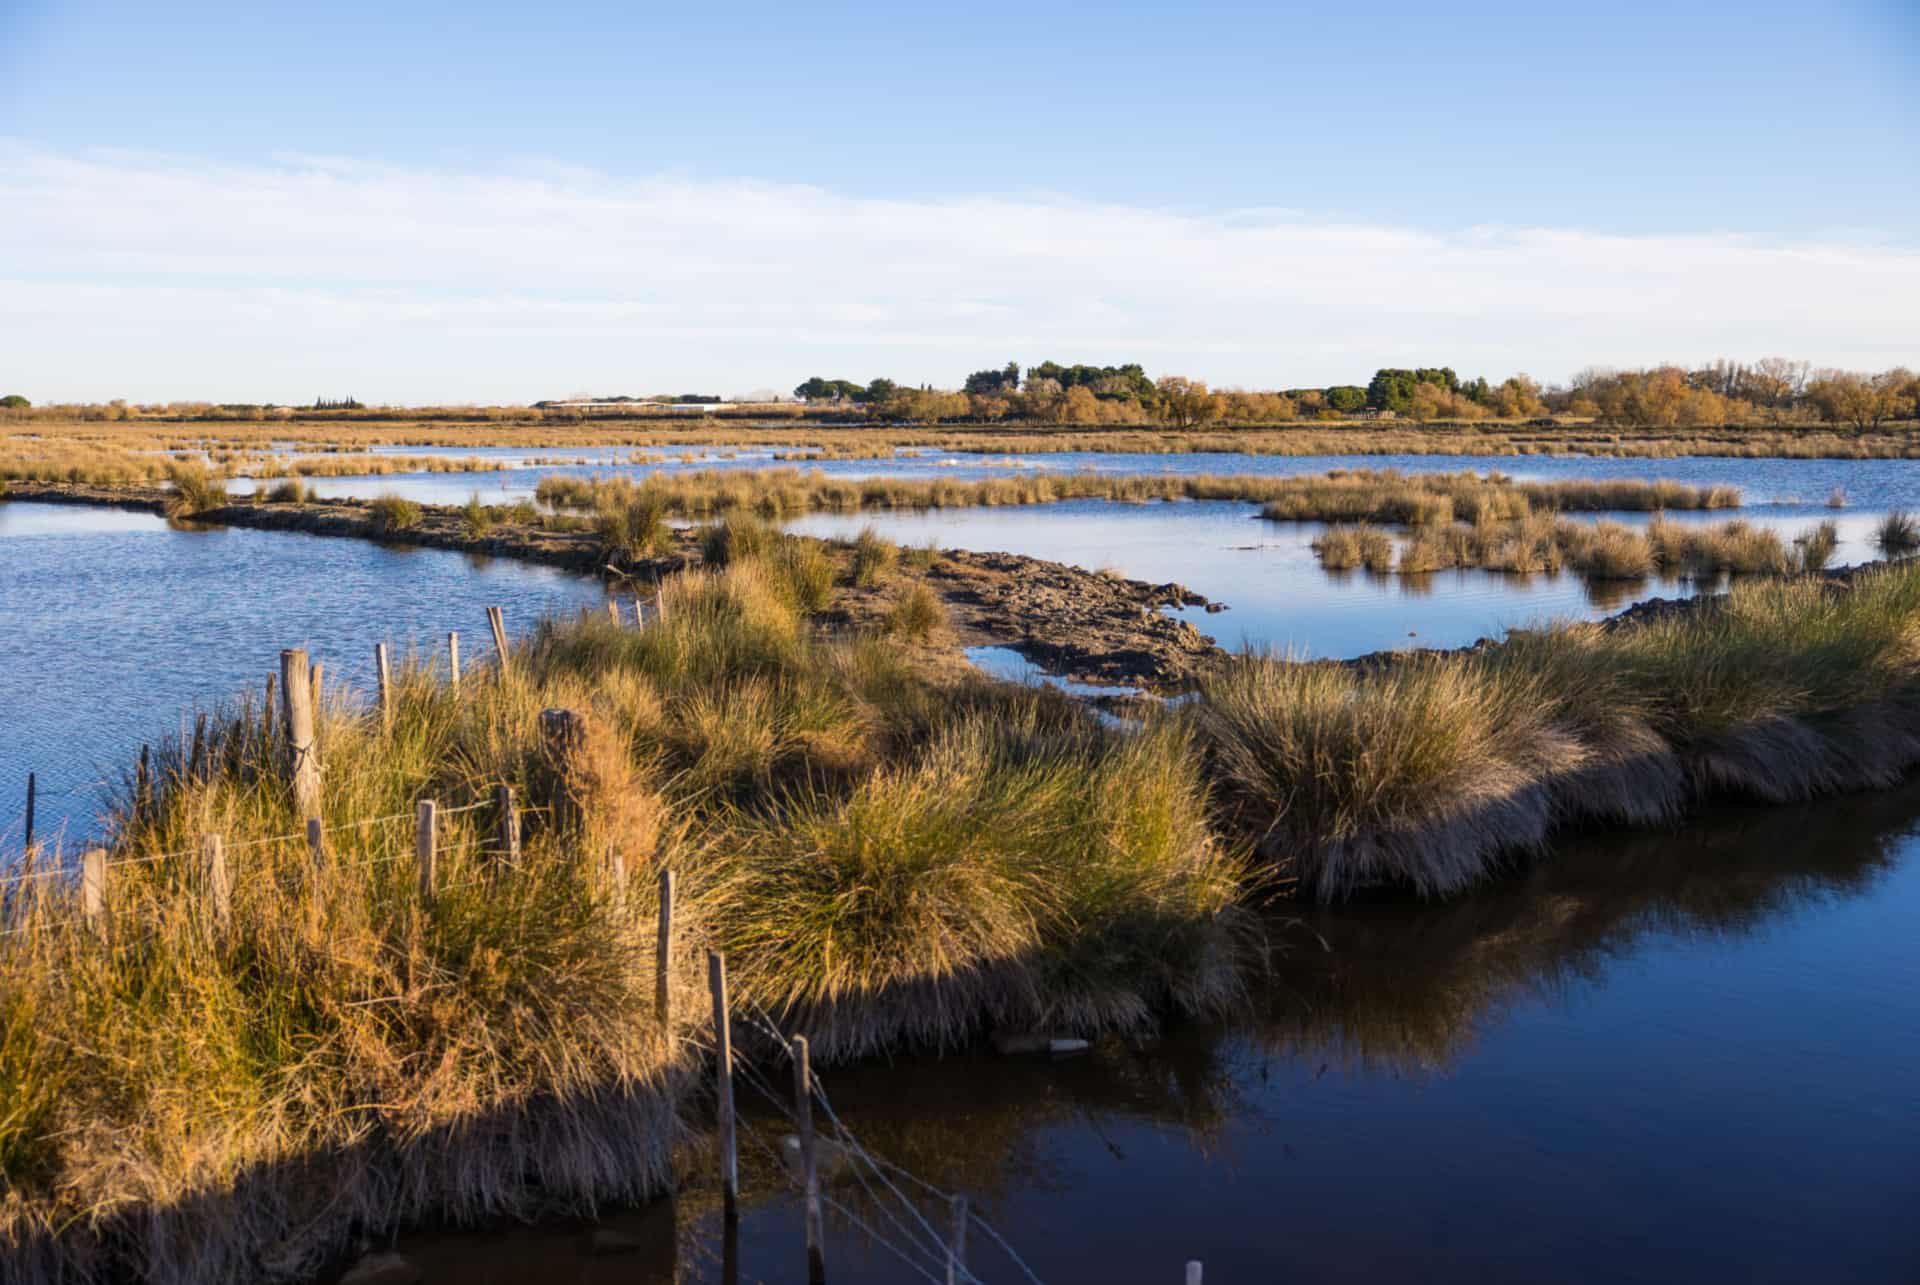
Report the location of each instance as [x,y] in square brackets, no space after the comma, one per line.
[1643,140]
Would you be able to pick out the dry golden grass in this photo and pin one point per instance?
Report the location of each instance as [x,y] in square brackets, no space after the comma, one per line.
[883,859]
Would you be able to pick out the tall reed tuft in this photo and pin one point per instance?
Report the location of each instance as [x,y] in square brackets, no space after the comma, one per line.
[194,490]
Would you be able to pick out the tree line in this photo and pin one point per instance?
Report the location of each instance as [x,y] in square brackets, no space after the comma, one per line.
[1775,390]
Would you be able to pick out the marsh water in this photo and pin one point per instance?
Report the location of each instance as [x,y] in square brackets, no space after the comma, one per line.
[117,626]
[1684,1055]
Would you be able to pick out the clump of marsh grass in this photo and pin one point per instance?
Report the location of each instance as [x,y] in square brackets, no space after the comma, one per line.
[919,615]
[632,532]
[807,570]
[1898,535]
[739,537]
[874,557]
[393,513]
[1814,549]
[289,490]
[1342,548]
[194,490]
[477,517]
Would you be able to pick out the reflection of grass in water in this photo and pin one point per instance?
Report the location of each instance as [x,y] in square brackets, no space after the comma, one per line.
[1408,987]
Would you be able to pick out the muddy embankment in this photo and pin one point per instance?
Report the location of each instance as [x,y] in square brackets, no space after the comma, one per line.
[1081,625]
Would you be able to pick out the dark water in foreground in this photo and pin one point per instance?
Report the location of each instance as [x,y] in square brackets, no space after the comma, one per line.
[1671,1057]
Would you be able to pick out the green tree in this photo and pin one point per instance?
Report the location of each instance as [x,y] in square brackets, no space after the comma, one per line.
[991,383]
[14,401]
[1348,398]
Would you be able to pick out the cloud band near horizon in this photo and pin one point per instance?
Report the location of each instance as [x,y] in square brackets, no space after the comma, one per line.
[160,277]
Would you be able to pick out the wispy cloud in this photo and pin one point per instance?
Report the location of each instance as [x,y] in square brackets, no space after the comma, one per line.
[160,276]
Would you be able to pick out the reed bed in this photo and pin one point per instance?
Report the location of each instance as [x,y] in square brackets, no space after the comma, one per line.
[1341,496]
[816,430]
[1432,770]
[1598,550]
[883,858]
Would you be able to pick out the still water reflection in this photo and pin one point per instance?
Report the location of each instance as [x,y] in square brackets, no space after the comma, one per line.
[1687,1056]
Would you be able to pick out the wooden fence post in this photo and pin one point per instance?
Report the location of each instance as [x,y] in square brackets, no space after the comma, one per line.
[957,1241]
[425,840]
[319,686]
[303,751]
[93,888]
[613,610]
[507,818]
[453,660]
[143,783]
[498,624]
[385,671]
[316,842]
[33,792]
[266,710]
[639,616]
[723,1080]
[213,860]
[663,960]
[809,1163]
[562,731]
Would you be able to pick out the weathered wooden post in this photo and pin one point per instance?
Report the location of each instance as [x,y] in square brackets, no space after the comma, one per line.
[142,783]
[723,1083]
[562,731]
[957,1241]
[33,791]
[613,611]
[219,891]
[426,835]
[93,888]
[507,818]
[453,660]
[639,616]
[303,751]
[809,1163]
[266,710]
[498,623]
[385,671]
[316,843]
[663,960]
[319,687]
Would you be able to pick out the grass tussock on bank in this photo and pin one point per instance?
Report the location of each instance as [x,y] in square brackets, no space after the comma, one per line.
[1430,770]
[1341,496]
[883,858]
